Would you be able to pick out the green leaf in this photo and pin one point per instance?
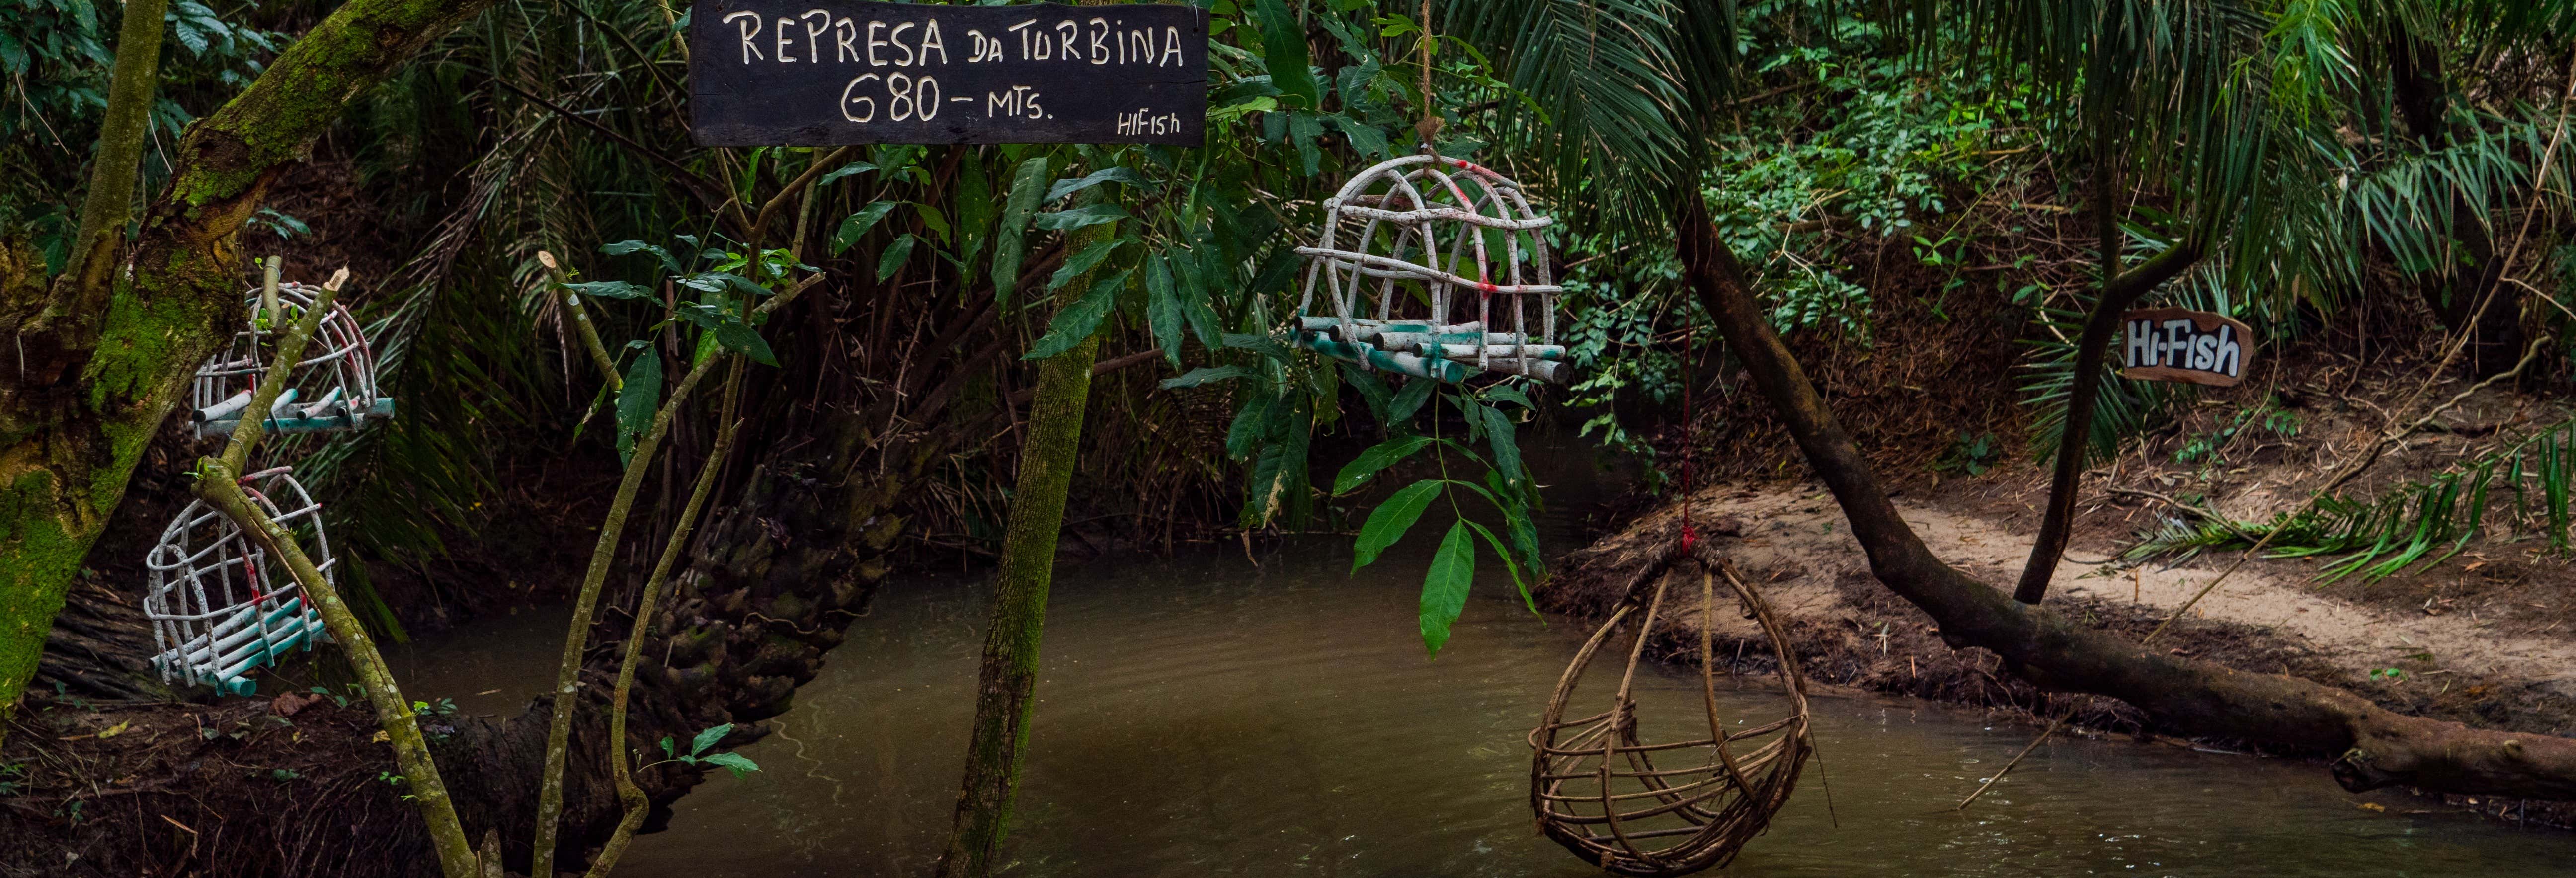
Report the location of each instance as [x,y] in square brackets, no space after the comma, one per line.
[1444,587]
[709,738]
[1507,449]
[637,401]
[1162,308]
[1206,374]
[894,255]
[741,339]
[1089,258]
[1527,599]
[1066,187]
[1378,457]
[1078,320]
[1249,426]
[610,289]
[1409,400]
[622,248]
[1010,241]
[849,170]
[666,748]
[733,762]
[1087,215]
[1372,389]
[858,224]
[1387,523]
[1283,52]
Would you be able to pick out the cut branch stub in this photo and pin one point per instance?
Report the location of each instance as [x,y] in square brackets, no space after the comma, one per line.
[1595,783]
[332,389]
[1400,242]
[219,605]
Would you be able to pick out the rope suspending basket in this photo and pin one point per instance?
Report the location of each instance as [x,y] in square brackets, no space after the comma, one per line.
[332,389]
[218,603]
[1637,805]
[1402,242]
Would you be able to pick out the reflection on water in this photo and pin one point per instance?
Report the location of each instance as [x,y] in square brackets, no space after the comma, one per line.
[1202,717]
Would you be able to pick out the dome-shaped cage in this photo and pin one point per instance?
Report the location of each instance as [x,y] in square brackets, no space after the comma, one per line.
[1401,241]
[219,605]
[332,388]
[1637,806]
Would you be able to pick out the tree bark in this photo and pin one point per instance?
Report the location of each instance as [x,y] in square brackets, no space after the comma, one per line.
[2371,747]
[109,204]
[76,416]
[2084,391]
[1007,685]
[2465,295]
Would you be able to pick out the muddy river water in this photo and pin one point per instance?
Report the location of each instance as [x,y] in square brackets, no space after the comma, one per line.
[1204,716]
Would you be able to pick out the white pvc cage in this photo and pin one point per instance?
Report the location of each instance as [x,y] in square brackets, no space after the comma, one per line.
[220,606]
[333,388]
[1433,267]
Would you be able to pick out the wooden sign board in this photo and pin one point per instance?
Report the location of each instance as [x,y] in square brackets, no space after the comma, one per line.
[828,72]
[2175,344]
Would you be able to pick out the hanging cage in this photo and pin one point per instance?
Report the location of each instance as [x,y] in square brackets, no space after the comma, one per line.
[333,388]
[1402,244]
[219,604]
[1640,806]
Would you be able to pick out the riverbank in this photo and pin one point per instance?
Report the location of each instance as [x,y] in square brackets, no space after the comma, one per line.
[2476,663]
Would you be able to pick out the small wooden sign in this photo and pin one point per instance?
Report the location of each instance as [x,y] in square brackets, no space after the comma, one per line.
[2176,344]
[828,72]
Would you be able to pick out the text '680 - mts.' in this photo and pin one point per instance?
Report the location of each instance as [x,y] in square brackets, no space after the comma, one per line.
[784,72]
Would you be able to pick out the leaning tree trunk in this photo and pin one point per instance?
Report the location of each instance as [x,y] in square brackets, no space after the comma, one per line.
[2372,747]
[94,386]
[1006,688]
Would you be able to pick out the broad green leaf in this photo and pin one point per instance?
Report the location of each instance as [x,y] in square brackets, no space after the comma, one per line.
[637,400]
[622,248]
[1409,400]
[741,339]
[858,224]
[1387,523]
[733,762]
[1510,394]
[848,170]
[935,221]
[1378,457]
[709,738]
[1206,374]
[1078,320]
[892,259]
[1507,449]
[1066,187]
[1010,240]
[1444,587]
[1162,309]
[1089,258]
[610,289]
[1527,599]
[1371,388]
[1087,215]
[1249,426]
[1283,52]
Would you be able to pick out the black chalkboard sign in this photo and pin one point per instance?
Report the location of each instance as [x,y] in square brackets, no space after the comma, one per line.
[817,72]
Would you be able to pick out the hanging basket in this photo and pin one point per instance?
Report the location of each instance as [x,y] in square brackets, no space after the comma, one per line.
[1436,268]
[331,389]
[219,605]
[1636,805]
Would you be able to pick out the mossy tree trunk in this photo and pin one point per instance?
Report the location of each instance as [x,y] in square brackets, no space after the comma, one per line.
[88,391]
[1006,688]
